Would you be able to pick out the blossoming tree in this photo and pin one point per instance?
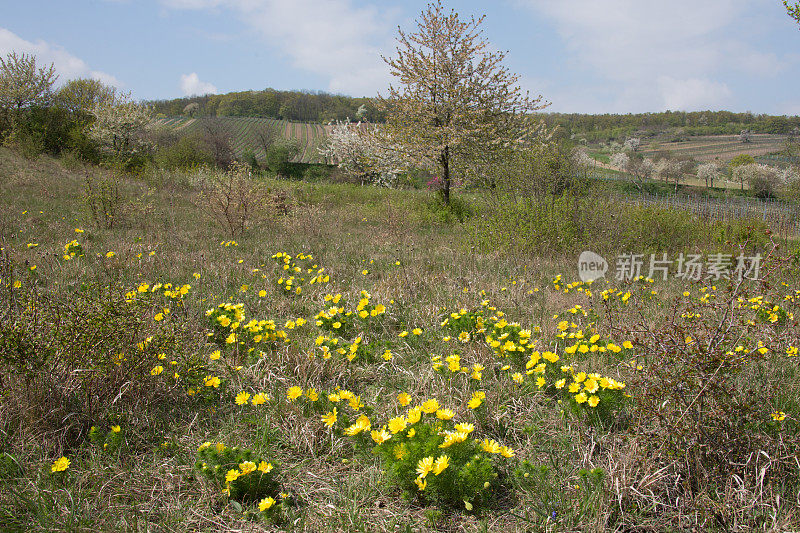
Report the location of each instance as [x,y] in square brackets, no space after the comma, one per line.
[456,101]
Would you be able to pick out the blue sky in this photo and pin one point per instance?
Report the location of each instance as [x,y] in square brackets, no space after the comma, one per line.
[588,56]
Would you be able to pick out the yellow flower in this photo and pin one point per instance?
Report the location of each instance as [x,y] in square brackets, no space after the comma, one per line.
[474,403]
[465,427]
[247,467]
[403,334]
[490,446]
[116,429]
[294,393]
[414,415]
[212,381]
[355,403]
[424,466]
[441,464]
[232,475]
[594,400]
[453,437]
[60,465]
[362,424]
[506,452]
[242,398]
[581,398]
[312,395]
[157,370]
[421,483]
[430,406]
[778,416]
[399,451]
[110,254]
[265,467]
[445,414]
[416,331]
[258,399]
[330,418]
[380,436]
[266,503]
[397,424]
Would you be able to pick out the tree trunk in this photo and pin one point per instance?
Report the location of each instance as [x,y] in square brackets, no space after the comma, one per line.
[446,175]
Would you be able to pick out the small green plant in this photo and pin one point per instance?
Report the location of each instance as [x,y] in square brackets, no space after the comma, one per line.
[429,456]
[238,472]
[109,441]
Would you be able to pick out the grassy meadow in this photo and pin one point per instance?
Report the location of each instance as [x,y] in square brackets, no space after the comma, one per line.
[365,359]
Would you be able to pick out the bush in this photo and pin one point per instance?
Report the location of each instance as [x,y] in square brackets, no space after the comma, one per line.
[242,475]
[233,199]
[79,359]
[280,155]
[102,197]
[571,224]
[186,153]
[458,210]
[427,455]
[708,403]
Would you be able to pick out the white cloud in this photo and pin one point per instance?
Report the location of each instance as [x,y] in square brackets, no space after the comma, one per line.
[663,54]
[333,39]
[67,65]
[693,94]
[191,85]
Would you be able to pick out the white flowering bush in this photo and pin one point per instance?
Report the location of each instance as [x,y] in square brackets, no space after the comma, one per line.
[356,150]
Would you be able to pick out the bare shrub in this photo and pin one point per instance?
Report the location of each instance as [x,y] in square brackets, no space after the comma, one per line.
[103,198]
[235,201]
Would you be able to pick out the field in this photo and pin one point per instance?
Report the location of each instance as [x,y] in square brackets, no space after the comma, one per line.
[243,134]
[720,148]
[364,359]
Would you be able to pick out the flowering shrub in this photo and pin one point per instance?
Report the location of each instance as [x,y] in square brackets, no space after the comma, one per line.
[429,455]
[73,249]
[295,270]
[109,440]
[362,325]
[238,472]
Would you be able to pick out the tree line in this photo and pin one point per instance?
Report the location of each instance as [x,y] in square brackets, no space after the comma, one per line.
[609,127]
[325,108]
[298,106]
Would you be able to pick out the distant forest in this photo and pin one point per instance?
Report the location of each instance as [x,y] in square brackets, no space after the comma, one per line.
[321,107]
[674,124]
[296,106]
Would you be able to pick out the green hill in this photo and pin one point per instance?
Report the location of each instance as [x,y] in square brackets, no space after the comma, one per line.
[243,133]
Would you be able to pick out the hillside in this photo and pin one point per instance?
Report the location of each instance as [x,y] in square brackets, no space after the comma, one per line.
[721,148]
[349,356]
[243,132]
